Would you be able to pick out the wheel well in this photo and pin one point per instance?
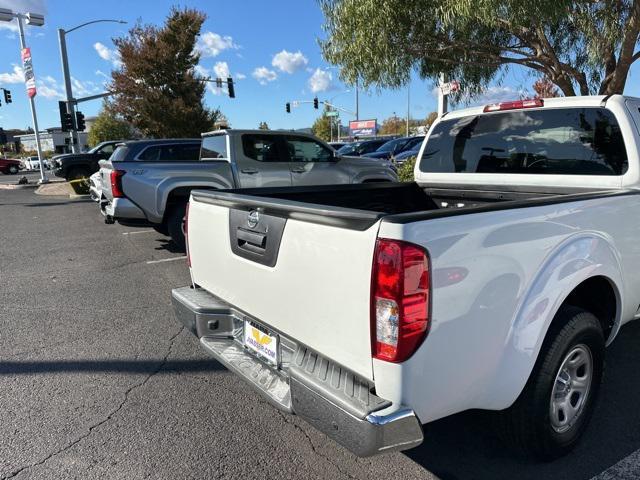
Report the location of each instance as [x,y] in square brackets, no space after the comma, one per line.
[597,296]
[179,195]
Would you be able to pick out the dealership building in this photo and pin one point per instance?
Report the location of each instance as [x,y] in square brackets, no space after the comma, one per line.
[52,140]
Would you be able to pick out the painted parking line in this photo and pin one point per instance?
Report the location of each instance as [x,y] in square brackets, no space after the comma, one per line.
[138,232]
[626,469]
[167,260]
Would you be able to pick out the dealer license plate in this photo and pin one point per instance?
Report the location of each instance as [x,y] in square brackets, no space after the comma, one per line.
[261,343]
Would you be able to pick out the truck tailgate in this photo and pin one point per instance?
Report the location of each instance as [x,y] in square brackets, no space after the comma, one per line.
[310,282]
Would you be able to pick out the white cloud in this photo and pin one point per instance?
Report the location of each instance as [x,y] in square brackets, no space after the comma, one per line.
[17,76]
[289,62]
[497,94]
[263,75]
[221,70]
[320,81]
[201,71]
[84,88]
[240,76]
[210,44]
[108,54]
[48,87]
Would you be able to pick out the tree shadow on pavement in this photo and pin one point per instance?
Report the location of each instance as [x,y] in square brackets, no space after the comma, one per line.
[464,446]
[107,366]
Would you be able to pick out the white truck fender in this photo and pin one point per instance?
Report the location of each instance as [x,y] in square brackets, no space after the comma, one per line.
[580,257]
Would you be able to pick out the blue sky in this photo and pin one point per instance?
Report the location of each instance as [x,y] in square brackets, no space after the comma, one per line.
[270,48]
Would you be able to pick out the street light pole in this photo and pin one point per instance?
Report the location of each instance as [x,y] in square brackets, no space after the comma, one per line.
[62,41]
[32,104]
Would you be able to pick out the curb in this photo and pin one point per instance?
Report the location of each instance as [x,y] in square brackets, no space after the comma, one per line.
[18,187]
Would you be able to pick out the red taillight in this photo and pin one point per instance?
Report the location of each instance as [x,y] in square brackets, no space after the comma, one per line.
[531,103]
[185,228]
[399,299]
[116,183]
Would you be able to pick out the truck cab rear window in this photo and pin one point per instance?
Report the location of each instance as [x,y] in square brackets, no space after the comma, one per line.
[563,141]
[214,147]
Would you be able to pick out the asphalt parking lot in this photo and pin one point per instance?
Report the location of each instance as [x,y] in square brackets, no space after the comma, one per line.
[97,379]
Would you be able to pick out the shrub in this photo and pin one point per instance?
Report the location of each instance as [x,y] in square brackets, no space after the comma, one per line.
[405,171]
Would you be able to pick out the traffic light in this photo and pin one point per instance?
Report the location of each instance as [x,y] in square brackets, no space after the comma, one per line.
[66,120]
[218,83]
[230,89]
[287,107]
[7,95]
[80,125]
[315,103]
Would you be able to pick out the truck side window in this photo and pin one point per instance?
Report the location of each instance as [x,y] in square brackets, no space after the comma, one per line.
[302,149]
[214,147]
[150,154]
[263,148]
[179,153]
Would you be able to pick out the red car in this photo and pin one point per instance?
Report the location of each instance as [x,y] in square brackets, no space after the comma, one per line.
[9,166]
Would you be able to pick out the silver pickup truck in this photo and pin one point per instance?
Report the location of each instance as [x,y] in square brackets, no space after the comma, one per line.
[144,185]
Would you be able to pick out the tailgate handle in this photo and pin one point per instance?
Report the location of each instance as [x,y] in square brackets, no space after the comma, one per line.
[249,171]
[251,241]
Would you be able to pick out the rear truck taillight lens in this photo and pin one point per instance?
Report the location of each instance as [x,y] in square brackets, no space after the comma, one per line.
[116,183]
[400,299]
[516,105]
[185,230]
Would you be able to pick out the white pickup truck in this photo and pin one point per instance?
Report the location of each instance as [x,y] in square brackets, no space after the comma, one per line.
[494,282]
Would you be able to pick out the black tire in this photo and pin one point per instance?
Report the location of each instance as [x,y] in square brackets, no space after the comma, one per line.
[13,169]
[527,425]
[76,173]
[175,219]
[161,229]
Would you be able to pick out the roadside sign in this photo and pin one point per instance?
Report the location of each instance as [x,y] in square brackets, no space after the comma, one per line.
[29,76]
[450,87]
[363,128]
[332,113]
[295,103]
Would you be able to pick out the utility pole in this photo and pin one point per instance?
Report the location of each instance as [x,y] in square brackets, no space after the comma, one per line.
[32,104]
[442,98]
[357,102]
[408,105]
[62,41]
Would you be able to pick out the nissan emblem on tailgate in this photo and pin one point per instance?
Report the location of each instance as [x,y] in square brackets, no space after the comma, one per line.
[253,219]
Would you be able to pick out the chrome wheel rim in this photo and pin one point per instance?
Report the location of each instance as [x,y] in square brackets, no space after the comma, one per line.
[571,388]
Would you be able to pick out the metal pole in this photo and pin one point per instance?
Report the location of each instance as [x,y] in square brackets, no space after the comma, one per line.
[331,127]
[62,41]
[442,98]
[408,105]
[43,178]
[357,103]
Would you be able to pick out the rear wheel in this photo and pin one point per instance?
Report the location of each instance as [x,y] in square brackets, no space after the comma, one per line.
[13,169]
[76,173]
[552,412]
[175,219]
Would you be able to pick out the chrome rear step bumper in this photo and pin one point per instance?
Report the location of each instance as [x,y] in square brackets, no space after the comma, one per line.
[326,395]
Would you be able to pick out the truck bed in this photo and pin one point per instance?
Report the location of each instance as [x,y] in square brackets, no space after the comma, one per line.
[359,206]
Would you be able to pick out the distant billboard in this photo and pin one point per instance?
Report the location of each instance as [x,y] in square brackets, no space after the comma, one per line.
[363,128]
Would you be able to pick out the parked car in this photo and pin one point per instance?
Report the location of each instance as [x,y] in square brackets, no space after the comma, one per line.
[401,157]
[72,166]
[9,166]
[492,283]
[394,147]
[149,182]
[33,163]
[357,149]
[337,145]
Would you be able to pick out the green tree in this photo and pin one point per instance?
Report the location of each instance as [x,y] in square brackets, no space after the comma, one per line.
[393,125]
[405,171]
[321,128]
[582,46]
[108,126]
[157,88]
[263,126]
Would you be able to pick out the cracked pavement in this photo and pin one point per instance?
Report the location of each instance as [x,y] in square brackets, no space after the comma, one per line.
[98,380]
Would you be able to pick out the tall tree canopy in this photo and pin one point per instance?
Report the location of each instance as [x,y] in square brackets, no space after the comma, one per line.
[321,128]
[157,89]
[583,46]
